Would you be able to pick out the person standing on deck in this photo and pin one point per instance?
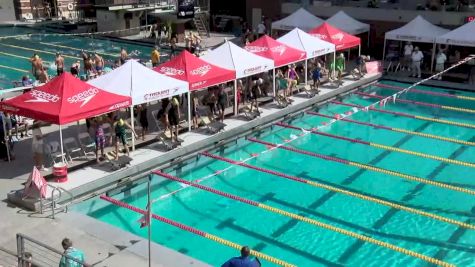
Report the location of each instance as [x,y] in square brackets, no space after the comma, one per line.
[72,257]
[123,56]
[59,61]
[155,56]
[99,62]
[36,66]
[417,58]
[439,63]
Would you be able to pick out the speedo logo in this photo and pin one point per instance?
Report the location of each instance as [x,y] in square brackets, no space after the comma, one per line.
[339,36]
[256,49]
[171,71]
[83,97]
[201,70]
[43,97]
[320,36]
[279,49]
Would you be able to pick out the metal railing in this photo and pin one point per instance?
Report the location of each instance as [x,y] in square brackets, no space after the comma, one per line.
[42,255]
[53,202]
[163,3]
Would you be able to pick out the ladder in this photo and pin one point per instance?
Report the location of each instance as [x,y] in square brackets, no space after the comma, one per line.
[200,22]
[53,204]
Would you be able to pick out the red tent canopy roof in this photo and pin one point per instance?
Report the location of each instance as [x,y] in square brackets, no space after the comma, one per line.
[63,100]
[281,53]
[197,72]
[339,38]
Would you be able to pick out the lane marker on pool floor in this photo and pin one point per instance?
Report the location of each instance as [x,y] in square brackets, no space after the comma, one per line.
[461,124]
[196,231]
[399,88]
[366,167]
[343,191]
[381,146]
[12,68]
[36,50]
[418,103]
[309,221]
[432,136]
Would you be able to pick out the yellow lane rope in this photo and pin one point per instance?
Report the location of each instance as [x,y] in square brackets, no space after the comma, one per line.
[13,55]
[445,121]
[78,49]
[12,68]
[448,139]
[36,50]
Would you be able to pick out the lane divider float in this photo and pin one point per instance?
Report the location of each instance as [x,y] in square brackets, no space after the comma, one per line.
[381,146]
[367,167]
[196,231]
[36,50]
[461,124]
[343,191]
[12,68]
[399,88]
[309,221]
[419,103]
[378,126]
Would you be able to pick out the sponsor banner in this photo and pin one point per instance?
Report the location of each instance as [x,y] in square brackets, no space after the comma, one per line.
[254,70]
[124,104]
[83,97]
[42,97]
[201,71]
[186,8]
[198,84]
[161,94]
[373,67]
[460,42]
[408,37]
[171,71]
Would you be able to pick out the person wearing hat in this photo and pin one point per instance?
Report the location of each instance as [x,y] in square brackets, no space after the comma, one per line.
[155,56]
[59,61]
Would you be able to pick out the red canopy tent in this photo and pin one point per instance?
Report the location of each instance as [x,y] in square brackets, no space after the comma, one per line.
[197,72]
[63,100]
[281,53]
[339,38]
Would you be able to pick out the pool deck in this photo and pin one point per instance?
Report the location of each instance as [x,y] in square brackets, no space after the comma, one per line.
[110,245]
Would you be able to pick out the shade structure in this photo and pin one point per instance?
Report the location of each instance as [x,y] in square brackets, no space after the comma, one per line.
[339,38]
[299,19]
[65,99]
[343,21]
[301,40]
[231,56]
[417,30]
[462,36]
[140,83]
[196,71]
[280,53]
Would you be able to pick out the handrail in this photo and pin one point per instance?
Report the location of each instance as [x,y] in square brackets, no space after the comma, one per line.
[53,201]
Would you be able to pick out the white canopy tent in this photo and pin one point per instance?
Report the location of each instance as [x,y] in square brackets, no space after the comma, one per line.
[417,30]
[299,19]
[313,46]
[344,22]
[142,84]
[231,56]
[462,36]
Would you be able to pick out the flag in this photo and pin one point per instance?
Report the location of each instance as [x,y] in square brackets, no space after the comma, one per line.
[394,98]
[146,218]
[324,123]
[337,116]
[382,103]
[35,185]
[354,109]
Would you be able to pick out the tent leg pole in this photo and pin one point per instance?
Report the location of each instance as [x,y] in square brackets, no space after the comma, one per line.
[384,50]
[132,124]
[334,62]
[273,83]
[306,71]
[432,59]
[7,139]
[368,39]
[189,111]
[236,104]
[61,142]
[359,50]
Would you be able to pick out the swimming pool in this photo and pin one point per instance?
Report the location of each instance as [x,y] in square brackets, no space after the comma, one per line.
[15,52]
[404,180]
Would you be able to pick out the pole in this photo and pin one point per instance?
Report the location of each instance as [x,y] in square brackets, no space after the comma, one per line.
[273,83]
[61,142]
[359,50]
[384,50]
[334,61]
[132,124]
[432,59]
[149,220]
[236,107]
[6,138]
[306,70]
[189,111]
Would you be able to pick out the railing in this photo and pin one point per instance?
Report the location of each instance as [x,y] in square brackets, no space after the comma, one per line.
[7,257]
[42,255]
[163,3]
[53,202]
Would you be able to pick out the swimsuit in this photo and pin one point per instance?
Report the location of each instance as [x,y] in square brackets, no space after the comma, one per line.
[120,133]
[100,138]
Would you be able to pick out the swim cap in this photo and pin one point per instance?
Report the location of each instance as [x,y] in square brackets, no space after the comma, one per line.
[121,122]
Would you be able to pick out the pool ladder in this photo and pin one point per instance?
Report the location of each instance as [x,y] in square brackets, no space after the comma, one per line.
[56,203]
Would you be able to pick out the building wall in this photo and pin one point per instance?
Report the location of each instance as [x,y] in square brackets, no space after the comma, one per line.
[7,10]
[114,20]
[270,8]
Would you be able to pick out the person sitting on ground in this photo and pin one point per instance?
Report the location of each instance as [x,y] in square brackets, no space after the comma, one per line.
[243,261]
[120,127]
[72,257]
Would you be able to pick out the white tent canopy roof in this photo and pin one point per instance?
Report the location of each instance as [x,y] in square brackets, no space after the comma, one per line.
[463,36]
[299,19]
[344,22]
[231,56]
[141,83]
[417,30]
[301,40]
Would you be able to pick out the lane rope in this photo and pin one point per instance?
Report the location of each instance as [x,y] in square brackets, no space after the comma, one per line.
[432,136]
[12,68]
[461,124]
[37,50]
[381,146]
[196,231]
[367,167]
[309,221]
[418,103]
[399,88]
[343,191]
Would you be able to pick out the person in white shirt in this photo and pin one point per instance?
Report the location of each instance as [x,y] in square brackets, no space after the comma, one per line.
[408,48]
[416,57]
[261,29]
[439,63]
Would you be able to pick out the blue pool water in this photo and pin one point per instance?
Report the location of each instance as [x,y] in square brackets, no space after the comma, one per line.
[304,244]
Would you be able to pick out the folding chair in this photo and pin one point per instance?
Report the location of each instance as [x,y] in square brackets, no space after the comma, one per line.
[53,149]
[282,101]
[71,147]
[87,144]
